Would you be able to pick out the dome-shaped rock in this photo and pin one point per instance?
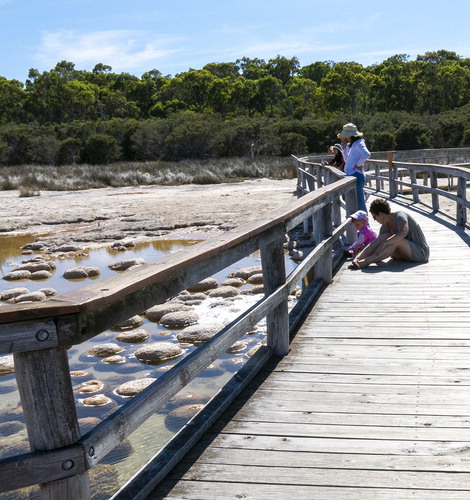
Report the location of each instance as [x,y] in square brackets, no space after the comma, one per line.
[245,272]
[98,400]
[256,279]
[33,267]
[237,347]
[114,360]
[81,272]
[187,399]
[236,282]
[133,336]
[181,416]
[30,297]
[123,244]
[254,290]
[17,275]
[67,248]
[7,365]
[91,386]
[133,387]
[199,333]
[158,352]
[48,292]
[133,322]
[204,285]
[40,275]
[224,292]
[105,350]
[12,293]
[122,265]
[189,297]
[179,319]
[156,313]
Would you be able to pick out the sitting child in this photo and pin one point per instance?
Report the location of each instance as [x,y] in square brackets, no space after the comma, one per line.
[365,235]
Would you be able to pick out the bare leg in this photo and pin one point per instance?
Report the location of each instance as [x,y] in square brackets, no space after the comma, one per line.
[400,251]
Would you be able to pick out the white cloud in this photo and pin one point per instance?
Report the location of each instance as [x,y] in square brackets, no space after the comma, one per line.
[123,50]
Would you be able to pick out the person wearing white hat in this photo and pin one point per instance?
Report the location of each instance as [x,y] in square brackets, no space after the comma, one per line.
[357,154]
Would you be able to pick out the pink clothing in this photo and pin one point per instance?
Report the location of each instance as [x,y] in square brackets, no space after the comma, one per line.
[364,237]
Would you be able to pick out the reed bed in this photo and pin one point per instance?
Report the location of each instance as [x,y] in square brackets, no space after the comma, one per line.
[32,178]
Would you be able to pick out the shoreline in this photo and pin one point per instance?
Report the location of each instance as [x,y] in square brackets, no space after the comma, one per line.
[100,217]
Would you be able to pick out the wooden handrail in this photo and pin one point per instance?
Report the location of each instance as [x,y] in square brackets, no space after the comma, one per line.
[39,333]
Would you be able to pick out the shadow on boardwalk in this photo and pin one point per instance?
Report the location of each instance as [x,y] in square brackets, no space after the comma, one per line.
[370,403]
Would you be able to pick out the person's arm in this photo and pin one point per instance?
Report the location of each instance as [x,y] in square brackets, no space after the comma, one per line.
[372,247]
[358,242]
[362,153]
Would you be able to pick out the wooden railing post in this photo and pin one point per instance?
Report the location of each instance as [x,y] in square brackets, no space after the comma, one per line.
[461,215]
[434,195]
[322,228]
[392,176]
[414,182]
[45,389]
[274,275]
[351,206]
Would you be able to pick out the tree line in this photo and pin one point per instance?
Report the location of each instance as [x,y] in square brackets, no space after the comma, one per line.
[249,107]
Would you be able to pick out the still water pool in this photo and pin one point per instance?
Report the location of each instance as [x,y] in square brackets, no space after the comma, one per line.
[122,463]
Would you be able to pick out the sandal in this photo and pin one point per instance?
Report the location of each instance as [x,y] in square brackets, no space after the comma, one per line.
[354,265]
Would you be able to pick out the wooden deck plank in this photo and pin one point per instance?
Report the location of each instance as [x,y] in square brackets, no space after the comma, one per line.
[372,401]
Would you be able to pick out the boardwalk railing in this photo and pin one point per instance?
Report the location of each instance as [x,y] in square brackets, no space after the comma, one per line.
[399,177]
[39,334]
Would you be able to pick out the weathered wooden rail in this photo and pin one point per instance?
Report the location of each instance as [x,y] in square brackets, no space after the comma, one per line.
[370,402]
[399,177]
[39,335]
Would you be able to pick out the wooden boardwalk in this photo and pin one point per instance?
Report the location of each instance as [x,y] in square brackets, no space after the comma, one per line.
[372,402]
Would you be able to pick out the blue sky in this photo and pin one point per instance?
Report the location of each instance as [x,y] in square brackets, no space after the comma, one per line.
[173,36]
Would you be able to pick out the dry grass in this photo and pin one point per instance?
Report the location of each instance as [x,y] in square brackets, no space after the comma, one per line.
[32,178]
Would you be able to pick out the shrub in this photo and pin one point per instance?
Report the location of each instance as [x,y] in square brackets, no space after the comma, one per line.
[101,148]
[382,141]
[412,135]
[69,151]
[292,143]
[466,137]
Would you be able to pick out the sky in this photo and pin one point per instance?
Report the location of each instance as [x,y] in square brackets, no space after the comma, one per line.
[173,36]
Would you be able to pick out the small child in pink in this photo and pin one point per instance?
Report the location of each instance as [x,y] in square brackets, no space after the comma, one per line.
[365,235]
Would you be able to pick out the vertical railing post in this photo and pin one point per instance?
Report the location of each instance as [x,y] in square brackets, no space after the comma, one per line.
[461,215]
[392,176]
[377,175]
[45,389]
[414,183]
[434,195]
[351,206]
[274,275]
[322,228]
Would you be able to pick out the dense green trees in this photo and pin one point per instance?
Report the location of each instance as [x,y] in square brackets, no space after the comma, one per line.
[246,107]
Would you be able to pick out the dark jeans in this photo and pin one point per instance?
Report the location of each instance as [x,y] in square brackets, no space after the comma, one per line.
[360,181]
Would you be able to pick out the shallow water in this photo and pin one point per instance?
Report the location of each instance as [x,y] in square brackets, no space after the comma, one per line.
[125,460]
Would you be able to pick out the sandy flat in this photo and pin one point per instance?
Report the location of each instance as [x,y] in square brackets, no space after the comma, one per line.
[102,216]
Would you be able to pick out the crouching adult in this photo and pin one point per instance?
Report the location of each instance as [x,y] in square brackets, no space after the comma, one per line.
[400,237]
